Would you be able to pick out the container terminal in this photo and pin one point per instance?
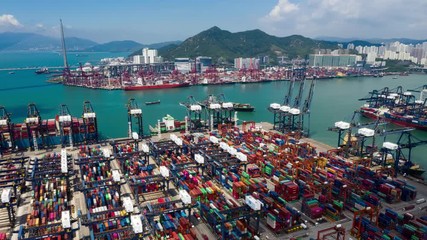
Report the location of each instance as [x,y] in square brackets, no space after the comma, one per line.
[213,180]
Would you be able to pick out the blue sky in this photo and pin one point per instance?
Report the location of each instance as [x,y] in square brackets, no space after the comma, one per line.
[150,21]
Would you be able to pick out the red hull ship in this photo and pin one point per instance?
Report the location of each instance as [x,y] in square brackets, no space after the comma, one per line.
[158,86]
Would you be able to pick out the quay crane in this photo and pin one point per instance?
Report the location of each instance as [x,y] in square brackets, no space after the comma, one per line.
[7,142]
[290,117]
[213,110]
[65,125]
[90,123]
[228,110]
[195,121]
[295,116]
[307,106]
[135,112]
[406,141]
[281,111]
[34,127]
[345,134]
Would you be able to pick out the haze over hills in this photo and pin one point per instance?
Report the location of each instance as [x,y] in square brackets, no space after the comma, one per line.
[217,43]
[10,41]
[213,42]
[128,46]
[370,41]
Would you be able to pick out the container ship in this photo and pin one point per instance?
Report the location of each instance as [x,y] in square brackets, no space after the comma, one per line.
[159,84]
[243,107]
[399,107]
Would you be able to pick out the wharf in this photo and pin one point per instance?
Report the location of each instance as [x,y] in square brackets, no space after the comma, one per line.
[79,203]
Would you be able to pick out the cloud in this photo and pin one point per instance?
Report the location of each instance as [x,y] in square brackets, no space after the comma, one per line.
[350,18]
[7,20]
[282,8]
[40,26]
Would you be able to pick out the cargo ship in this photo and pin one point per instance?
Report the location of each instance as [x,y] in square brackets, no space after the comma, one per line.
[168,124]
[157,85]
[406,120]
[243,107]
[398,107]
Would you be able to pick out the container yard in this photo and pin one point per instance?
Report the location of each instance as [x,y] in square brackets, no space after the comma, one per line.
[242,182]
[214,179]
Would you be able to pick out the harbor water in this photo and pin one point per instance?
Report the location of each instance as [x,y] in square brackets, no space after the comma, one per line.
[334,99]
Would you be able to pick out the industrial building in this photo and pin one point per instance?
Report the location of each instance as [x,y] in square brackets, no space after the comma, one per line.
[332,60]
[183,65]
[203,63]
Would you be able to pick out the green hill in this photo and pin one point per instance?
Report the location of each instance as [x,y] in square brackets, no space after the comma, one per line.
[217,43]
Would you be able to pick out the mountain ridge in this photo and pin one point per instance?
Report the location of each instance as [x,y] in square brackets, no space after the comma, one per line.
[218,43]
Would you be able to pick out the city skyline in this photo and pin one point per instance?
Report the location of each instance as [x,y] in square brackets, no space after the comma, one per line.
[158,21]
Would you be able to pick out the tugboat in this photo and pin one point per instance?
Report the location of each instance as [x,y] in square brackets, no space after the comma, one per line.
[44,70]
[151,103]
[412,169]
[243,107]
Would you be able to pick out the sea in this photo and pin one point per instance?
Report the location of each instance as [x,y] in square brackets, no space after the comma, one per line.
[334,99]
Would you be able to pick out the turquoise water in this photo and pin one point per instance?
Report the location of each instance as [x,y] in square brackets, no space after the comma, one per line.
[334,99]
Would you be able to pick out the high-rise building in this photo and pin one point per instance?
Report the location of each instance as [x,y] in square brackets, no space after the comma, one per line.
[149,56]
[246,63]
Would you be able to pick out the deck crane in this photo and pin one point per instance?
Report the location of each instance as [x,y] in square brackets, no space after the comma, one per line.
[65,125]
[33,122]
[195,119]
[90,123]
[135,112]
[7,142]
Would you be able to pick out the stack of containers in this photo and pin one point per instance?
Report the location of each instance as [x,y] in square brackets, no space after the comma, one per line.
[288,190]
[311,208]
[176,225]
[334,210]
[393,226]
[128,147]
[96,171]
[50,198]
[104,202]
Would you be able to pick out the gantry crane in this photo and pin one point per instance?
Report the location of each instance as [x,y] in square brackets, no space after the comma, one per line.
[135,112]
[7,142]
[65,125]
[90,123]
[33,122]
[327,233]
[195,118]
[228,114]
